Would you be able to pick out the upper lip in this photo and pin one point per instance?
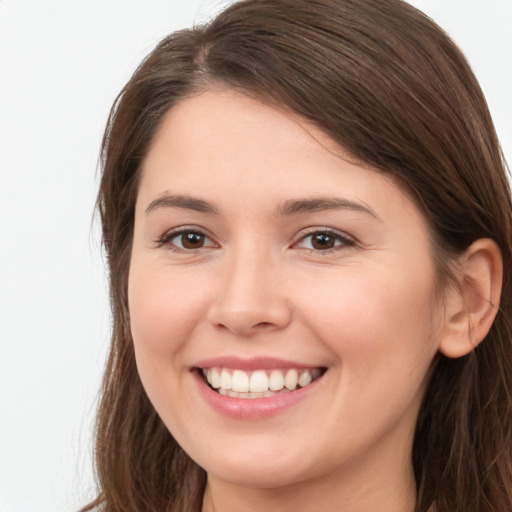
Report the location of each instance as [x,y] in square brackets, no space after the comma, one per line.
[253,363]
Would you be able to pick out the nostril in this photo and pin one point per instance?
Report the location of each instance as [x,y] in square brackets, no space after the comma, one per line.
[263,325]
[242,318]
[247,329]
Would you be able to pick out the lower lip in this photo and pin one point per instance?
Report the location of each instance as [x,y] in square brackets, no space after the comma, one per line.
[252,408]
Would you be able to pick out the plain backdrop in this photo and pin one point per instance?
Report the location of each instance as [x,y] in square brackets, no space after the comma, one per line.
[62,62]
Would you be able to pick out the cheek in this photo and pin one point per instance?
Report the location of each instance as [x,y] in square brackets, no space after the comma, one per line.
[164,308]
[381,331]
[378,321]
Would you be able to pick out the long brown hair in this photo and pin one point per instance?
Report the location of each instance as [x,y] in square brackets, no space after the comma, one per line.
[390,87]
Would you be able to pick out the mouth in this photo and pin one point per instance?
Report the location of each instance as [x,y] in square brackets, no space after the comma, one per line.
[260,383]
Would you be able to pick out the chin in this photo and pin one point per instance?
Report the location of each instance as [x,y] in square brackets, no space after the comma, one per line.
[260,463]
[246,473]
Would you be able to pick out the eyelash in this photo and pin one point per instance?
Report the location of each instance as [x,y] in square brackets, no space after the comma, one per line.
[341,239]
[344,239]
[167,238]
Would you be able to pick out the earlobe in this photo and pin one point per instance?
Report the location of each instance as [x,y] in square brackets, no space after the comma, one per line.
[472,305]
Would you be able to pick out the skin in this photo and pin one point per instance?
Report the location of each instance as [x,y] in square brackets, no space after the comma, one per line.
[367,310]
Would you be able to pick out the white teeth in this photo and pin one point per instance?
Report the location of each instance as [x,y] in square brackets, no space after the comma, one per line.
[305,379]
[215,378]
[240,381]
[290,381]
[258,382]
[235,394]
[276,380]
[225,380]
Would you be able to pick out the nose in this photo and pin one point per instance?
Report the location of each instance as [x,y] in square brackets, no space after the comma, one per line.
[250,297]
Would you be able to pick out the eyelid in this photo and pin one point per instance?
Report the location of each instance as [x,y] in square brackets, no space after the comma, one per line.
[165,239]
[346,239]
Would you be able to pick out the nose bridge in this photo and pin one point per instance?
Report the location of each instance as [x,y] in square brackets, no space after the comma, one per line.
[249,298]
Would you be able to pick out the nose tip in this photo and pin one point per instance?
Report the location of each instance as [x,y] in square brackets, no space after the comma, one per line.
[245,321]
[249,302]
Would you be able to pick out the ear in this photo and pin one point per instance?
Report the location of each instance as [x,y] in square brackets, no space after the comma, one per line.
[472,305]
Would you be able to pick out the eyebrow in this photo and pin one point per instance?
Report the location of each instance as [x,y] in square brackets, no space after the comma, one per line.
[285,209]
[294,207]
[185,202]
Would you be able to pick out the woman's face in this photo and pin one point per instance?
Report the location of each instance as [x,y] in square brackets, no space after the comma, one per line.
[261,257]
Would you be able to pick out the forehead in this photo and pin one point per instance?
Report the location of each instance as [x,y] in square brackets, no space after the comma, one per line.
[236,151]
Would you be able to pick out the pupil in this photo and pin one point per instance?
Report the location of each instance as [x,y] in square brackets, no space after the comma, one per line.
[192,240]
[323,241]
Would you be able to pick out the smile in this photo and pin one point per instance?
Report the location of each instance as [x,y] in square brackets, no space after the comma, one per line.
[236,383]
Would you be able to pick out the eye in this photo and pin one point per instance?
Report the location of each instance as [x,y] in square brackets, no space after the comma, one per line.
[325,240]
[186,240]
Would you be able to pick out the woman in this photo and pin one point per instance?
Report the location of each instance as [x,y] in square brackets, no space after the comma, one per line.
[307,222]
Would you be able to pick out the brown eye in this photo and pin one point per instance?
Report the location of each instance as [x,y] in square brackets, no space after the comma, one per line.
[325,241]
[191,240]
[322,241]
[186,240]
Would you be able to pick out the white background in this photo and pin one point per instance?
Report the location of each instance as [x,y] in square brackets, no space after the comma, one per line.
[62,63]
